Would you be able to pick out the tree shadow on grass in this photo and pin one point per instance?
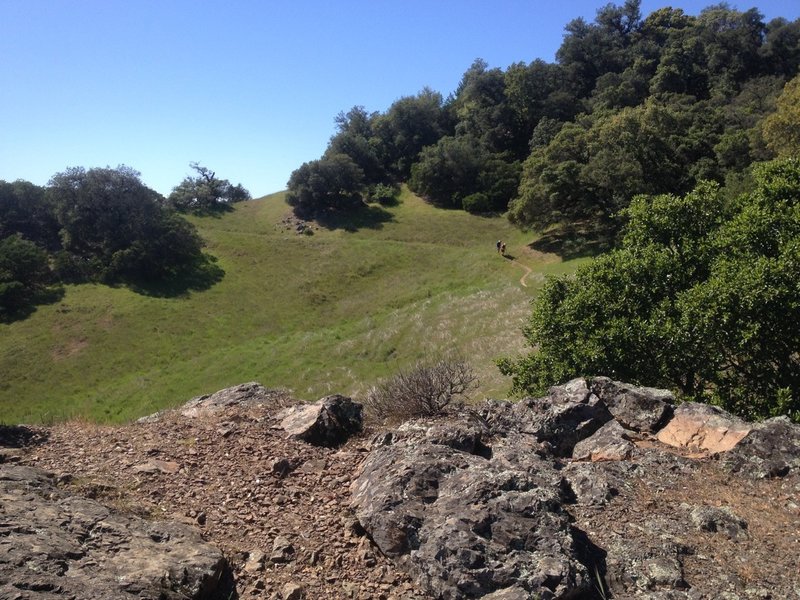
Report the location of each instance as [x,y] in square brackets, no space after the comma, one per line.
[366,217]
[217,212]
[576,240]
[199,277]
[49,295]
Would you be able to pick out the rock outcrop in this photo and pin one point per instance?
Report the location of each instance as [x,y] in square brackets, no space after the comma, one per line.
[508,500]
[246,395]
[598,490]
[55,545]
[466,522]
[276,506]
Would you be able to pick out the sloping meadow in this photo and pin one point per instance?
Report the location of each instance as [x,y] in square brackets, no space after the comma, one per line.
[332,311]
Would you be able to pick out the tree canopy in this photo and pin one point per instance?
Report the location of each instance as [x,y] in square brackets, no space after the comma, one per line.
[703,296]
[114,227]
[24,273]
[205,193]
[782,128]
[98,224]
[335,183]
[633,104]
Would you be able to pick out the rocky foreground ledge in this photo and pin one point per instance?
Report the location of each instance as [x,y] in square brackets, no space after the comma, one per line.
[598,490]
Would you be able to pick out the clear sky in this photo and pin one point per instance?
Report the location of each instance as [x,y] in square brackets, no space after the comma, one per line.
[247,88]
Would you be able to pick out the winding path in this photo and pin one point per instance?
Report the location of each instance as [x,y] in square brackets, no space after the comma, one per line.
[527,270]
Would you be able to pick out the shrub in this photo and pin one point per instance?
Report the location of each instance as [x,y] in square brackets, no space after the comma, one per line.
[423,390]
[24,271]
[329,185]
[384,194]
[477,203]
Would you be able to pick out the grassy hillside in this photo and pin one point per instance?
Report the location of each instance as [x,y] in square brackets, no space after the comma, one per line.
[329,312]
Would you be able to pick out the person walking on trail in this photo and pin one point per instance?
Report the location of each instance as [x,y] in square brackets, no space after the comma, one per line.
[499,245]
[503,249]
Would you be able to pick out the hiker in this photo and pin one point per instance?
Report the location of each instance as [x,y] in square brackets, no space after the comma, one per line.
[503,248]
[499,245]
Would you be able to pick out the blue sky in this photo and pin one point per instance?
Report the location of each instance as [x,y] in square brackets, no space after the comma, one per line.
[249,89]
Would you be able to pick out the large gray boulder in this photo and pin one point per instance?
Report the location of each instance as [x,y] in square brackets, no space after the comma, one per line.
[573,412]
[770,449]
[467,522]
[577,495]
[244,394]
[55,546]
[642,409]
[611,442]
[568,414]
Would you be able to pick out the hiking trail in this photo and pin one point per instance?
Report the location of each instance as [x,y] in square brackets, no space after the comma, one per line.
[525,268]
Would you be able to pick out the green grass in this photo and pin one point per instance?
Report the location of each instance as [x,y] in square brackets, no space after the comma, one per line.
[318,314]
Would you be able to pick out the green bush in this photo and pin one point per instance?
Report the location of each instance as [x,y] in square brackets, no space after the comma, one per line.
[702,297]
[477,203]
[384,194]
[24,271]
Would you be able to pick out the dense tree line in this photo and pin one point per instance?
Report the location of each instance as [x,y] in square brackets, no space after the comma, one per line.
[632,105]
[101,225]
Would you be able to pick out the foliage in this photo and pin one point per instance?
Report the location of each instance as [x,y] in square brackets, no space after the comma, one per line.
[423,390]
[782,128]
[113,227]
[703,296]
[24,272]
[332,184]
[477,203]
[634,104]
[456,167]
[384,194]
[356,138]
[484,113]
[24,209]
[410,124]
[592,169]
[205,193]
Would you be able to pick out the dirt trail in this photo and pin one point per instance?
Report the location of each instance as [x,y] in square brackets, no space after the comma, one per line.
[525,268]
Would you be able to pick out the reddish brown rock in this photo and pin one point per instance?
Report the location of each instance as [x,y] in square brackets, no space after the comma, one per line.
[703,427]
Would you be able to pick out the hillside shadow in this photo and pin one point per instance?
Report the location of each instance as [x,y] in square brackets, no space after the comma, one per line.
[389,202]
[49,295]
[199,277]
[576,240]
[366,217]
[219,211]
